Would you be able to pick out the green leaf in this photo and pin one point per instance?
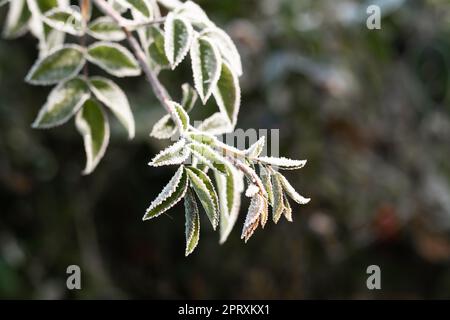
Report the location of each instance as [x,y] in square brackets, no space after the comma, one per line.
[209,157]
[206,192]
[165,128]
[277,204]
[175,154]
[59,65]
[229,188]
[115,99]
[206,66]
[267,182]
[63,102]
[172,193]
[182,116]
[156,49]
[17,19]
[192,226]
[189,97]
[105,28]
[256,149]
[294,195]
[216,124]
[66,20]
[93,125]
[113,58]
[178,37]
[228,94]
[141,6]
[226,47]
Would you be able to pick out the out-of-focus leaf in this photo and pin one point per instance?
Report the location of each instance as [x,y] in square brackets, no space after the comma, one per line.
[106,29]
[63,102]
[93,125]
[66,20]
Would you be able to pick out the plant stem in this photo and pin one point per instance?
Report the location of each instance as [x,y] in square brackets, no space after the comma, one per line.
[159,90]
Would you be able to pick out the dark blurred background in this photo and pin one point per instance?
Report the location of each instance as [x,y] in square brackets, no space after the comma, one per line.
[369,109]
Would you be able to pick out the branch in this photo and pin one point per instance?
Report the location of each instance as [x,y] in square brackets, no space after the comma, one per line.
[157,87]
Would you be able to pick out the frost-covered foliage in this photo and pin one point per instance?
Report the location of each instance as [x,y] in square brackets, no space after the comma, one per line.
[217,172]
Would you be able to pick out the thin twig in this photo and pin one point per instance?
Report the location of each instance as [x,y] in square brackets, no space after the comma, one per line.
[159,90]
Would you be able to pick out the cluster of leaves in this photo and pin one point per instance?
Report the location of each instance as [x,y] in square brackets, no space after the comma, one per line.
[216,68]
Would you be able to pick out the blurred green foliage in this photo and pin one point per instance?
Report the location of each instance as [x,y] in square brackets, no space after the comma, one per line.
[370,110]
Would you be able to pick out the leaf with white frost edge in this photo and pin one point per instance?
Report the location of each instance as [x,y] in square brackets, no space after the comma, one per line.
[189,97]
[256,149]
[115,99]
[181,117]
[283,163]
[267,182]
[156,49]
[175,154]
[277,205]
[287,212]
[206,192]
[114,59]
[17,19]
[192,224]
[227,93]
[62,103]
[229,190]
[226,47]
[206,66]
[294,195]
[93,125]
[61,64]
[264,213]
[66,20]
[178,37]
[209,156]
[216,124]
[164,128]
[253,217]
[106,29]
[172,193]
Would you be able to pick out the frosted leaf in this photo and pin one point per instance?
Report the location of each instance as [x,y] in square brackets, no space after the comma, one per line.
[206,66]
[175,154]
[177,38]
[164,129]
[264,213]
[194,14]
[226,47]
[59,65]
[283,163]
[253,217]
[114,59]
[230,188]
[115,99]
[105,28]
[143,7]
[209,156]
[172,193]
[192,225]
[267,182]
[189,97]
[206,193]
[182,118]
[228,93]
[66,20]
[63,102]
[277,205]
[256,149]
[291,191]
[93,125]
[216,124]
[287,212]
[17,19]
